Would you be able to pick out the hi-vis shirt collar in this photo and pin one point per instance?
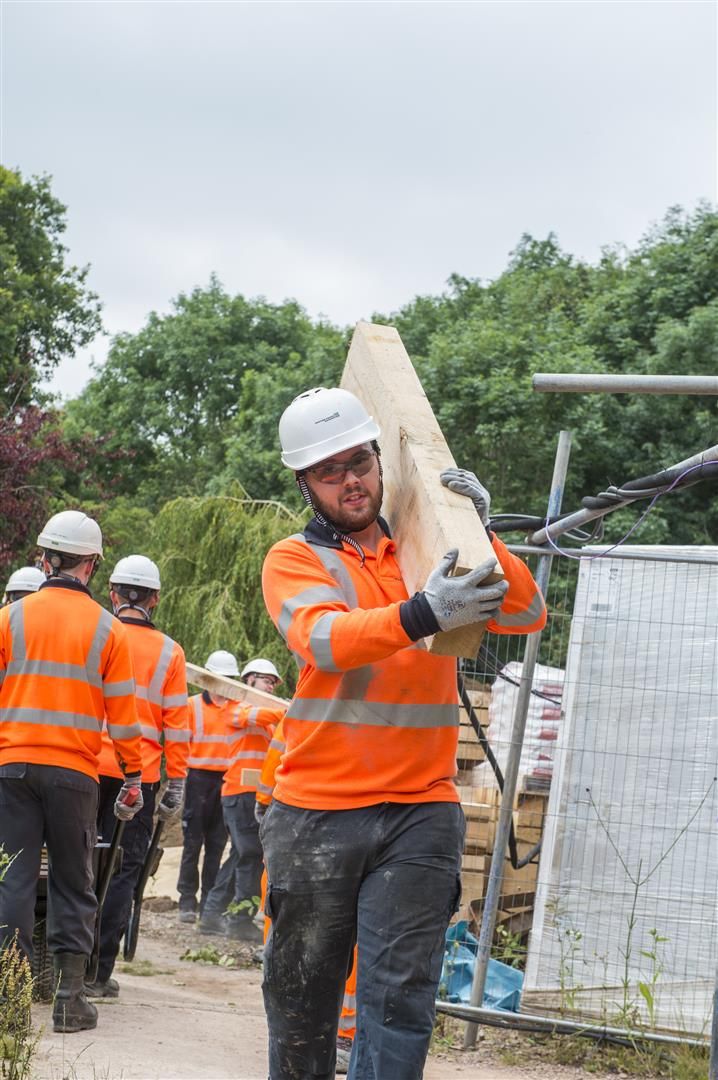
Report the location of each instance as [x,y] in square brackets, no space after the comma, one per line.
[65,583]
[323,535]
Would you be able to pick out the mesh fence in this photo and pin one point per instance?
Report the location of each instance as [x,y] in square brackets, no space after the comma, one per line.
[614,920]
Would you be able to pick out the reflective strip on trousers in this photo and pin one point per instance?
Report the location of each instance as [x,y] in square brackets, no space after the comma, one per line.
[522,618]
[380,713]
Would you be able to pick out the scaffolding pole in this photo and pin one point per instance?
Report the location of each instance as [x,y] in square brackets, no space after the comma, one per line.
[698,385]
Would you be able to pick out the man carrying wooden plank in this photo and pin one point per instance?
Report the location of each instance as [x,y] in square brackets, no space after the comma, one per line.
[364,836]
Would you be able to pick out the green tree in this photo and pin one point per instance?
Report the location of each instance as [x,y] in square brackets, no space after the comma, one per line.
[194,397]
[46,309]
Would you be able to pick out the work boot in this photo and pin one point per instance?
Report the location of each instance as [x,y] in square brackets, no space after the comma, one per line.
[212,924]
[71,1011]
[110,988]
[187,916]
[241,928]
[344,1053]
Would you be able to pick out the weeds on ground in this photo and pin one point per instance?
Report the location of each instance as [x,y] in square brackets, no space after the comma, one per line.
[244,907]
[144,967]
[210,954]
[17,1039]
[596,1058]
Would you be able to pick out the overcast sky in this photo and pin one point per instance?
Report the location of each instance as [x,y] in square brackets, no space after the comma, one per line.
[350,155]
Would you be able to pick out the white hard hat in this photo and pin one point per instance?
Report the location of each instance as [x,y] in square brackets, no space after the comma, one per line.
[323,422]
[260,667]
[73,532]
[222,662]
[26,579]
[136,570]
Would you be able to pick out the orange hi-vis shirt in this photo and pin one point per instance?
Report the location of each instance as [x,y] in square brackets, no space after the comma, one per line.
[161,699]
[252,728]
[375,715]
[212,736]
[267,779]
[64,665]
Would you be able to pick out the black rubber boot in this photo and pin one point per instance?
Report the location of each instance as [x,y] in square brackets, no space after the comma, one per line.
[71,1011]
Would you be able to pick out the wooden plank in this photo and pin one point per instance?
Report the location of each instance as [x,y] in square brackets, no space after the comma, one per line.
[426,519]
[232,689]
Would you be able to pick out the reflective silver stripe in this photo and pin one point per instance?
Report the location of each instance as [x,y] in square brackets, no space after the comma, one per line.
[160,672]
[247,755]
[254,731]
[346,1024]
[226,740]
[17,627]
[350,1001]
[174,701]
[179,735]
[198,719]
[385,714]
[53,668]
[123,731]
[253,713]
[522,618]
[119,689]
[206,762]
[149,731]
[264,789]
[332,562]
[94,656]
[320,641]
[315,594]
[21,715]
[2,676]
[276,744]
[141,693]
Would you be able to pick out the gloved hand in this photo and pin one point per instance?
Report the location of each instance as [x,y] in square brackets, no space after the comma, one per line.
[466,483]
[462,600]
[171,801]
[129,798]
[259,811]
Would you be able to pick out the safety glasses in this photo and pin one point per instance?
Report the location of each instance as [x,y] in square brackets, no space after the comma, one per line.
[334,472]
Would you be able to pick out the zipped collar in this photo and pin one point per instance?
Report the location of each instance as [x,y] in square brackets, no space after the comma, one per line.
[323,535]
[64,583]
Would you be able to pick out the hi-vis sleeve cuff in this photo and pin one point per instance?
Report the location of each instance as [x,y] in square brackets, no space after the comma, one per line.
[523,610]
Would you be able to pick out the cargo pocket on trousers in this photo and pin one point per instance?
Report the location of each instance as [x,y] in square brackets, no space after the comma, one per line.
[13,771]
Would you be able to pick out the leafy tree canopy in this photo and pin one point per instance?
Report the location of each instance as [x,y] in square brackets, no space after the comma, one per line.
[46,309]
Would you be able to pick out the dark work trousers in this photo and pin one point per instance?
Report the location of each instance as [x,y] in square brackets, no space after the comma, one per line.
[135,842]
[58,807]
[222,892]
[386,876]
[238,811]
[202,825]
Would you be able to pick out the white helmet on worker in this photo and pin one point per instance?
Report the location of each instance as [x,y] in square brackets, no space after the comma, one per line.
[136,570]
[222,662]
[71,532]
[25,580]
[260,667]
[322,422]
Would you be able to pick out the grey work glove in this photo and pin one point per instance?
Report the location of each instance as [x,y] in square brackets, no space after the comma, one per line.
[462,600]
[259,811]
[171,802]
[129,799]
[467,483]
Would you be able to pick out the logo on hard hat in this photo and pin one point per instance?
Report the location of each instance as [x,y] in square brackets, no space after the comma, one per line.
[326,419]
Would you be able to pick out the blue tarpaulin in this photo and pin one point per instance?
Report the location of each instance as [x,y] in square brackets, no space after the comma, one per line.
[503,983]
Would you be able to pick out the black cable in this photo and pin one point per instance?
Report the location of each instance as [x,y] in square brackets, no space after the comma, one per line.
[516,862]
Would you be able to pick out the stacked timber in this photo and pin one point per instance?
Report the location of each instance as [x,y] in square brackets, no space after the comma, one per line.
[481,807]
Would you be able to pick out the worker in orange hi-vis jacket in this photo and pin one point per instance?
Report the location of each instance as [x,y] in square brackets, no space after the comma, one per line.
[252,727]
[210,717]
[161,696]
[64,666]
[364,837]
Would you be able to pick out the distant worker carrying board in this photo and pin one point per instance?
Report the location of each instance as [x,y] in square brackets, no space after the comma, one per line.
[364,837]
